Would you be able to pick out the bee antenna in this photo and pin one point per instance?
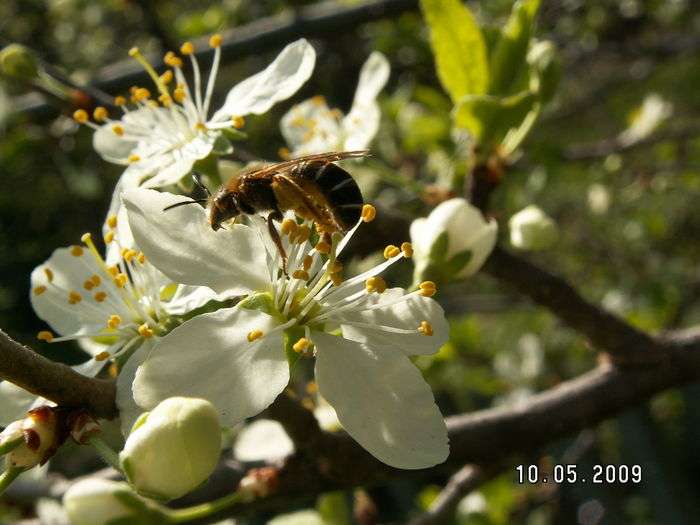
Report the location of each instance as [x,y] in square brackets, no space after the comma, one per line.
[197,178]
[178,204]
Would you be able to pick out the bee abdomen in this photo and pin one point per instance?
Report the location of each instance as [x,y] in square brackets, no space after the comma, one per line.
[340,190]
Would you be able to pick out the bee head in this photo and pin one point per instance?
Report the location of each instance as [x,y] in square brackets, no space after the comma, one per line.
[222,207]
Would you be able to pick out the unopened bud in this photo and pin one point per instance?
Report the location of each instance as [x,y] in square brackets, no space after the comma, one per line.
[96,501]
[19,62]
[532,229]
[172,449]
[39,432]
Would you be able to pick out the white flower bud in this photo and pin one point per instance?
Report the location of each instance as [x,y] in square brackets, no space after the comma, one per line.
[40,438]
[532,229]
[172,449]
[452,242]
[96,501]
[19,62]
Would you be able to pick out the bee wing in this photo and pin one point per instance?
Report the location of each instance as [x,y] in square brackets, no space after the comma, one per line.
[333,156]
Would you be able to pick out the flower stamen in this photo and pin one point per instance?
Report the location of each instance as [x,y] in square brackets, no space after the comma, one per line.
[427,288]
[425,328]
[45,335]
[254,335]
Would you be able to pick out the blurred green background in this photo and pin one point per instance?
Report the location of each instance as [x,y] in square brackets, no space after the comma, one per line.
[629,218]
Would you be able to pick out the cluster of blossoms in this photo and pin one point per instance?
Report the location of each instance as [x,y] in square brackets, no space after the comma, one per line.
[181,313]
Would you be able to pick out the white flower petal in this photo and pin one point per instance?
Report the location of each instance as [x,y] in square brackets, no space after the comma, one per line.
[406,315]
[15,402]
[373,78]
[181,244]
[111,146]
[481,246]
[311,127]
[129,411]
[178,167]
[382,402]
[279,81]
[262,440]
[210,357]
[187,298]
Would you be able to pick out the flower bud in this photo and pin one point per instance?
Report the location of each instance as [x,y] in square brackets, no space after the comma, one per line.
[96,501]
[172,449]
[452,242]
[39,432]
[18,62]
[532,229]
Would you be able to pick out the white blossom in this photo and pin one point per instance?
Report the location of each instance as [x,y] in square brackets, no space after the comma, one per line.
[262,440]
[532,229]
[160,140]
[312,127]
[361,333]
[453,241]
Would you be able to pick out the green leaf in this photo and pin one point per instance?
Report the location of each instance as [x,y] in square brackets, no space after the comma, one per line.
[234,134]
[439,249]
[458,46]
[508,58]
[488,118]
[458,262]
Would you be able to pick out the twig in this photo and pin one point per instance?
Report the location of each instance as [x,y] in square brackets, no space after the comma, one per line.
[322,20]
[55,381]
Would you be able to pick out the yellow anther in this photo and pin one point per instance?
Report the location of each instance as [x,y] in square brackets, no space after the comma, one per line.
[118,130]
[215,40]
[130,254]
[302,234]
[301,274]
[112,221]
[369,212]
[49,274]
[120,280]
[39,290]
[102,356]
[114,321]
[166,77]
[141,258]
[86,237]
[307,262]
[142,94]
[200,126]
[113,270]
[133,158]
[113,370]
[407,249]
[391,251]
[318,100]
[109,237]
[172,59]
[284,153]
[45,335]
[323,247]
[375,284]
[166,100]
[119,101]
[301,345]
[335,267]
[427,288]
[336,279]
[96,280]
[80,116]
[237,122]
[179,94]
[425,328]
[134,51]
[311,388]
[289,226]
[88,285]
[100,114]
[254,334]
[145,331]
[100,296]
[74,297]
[187,48]
[76,251]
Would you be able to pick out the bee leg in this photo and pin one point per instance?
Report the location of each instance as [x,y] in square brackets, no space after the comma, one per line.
[274,234]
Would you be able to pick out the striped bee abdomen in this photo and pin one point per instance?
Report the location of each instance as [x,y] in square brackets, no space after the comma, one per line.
[339,189]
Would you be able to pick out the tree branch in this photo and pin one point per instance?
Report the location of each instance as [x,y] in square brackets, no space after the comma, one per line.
[322,20]
[55,381]
[604,329]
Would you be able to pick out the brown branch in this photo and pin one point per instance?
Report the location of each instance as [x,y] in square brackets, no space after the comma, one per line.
[605,330]
[55,381]
[317,21]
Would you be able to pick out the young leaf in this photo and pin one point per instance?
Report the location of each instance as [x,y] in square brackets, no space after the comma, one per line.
[508,58]
[458,46]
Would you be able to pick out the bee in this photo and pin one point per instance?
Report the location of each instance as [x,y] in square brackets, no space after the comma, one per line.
[312,186]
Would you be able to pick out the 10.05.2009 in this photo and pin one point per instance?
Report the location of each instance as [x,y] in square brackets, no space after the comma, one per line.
[572,474]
